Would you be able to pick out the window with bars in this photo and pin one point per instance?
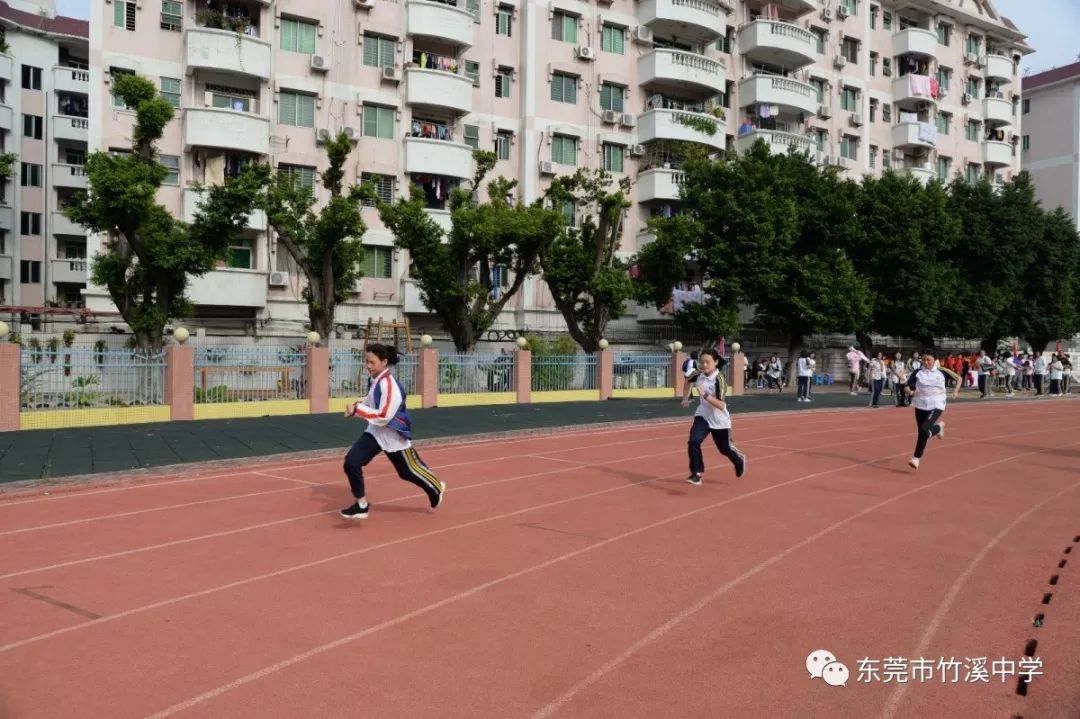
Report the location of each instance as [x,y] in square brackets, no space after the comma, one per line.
[472,135]
[172,164]
[300,175]
[613,157]
[564,27]
[379,51]
[383,184]
[298,36]
[231,98]
[503,19]
[170,90]
[172,15]
[296,109]
[611,97]
[564,88]
[613,39]
[379,121]
[502,82]
[472,71]
[503,140]
[378,262]
[124,14]
[564,150]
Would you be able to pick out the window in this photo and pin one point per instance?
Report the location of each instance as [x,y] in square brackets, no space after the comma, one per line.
[172,15]
[298,36]
[611,97]
[1025,106]
[473,6]
[849,99]
[849,147]
[971,173]
[172,164]
[974,44]
[116,73]
[564,150]
[31,77]
[849,48]
[944,119]
[472,136]
[503,20]
[873,110]
[240,256]
[886,112]
[31,175]
[378,262]
[32,127]
[613,157]
[379,51]
[30,272]
[1026,142]
[886,20]
[124,14]
[301,176]
[972,87]
[502,144]
[74,157]
[231,98]
[170,90]
[944,33]
[873,64]
[873,19]
[612,39]
[873,156]
[971,131]
[564,27]
[819,87]
[296,109]
[852,6]
[383,184]
[943,166]
[30,223]
[819,40]
[569,212]
[502,82]
[472,70]
[886,66]
[564,88]
[944,77]
[379,121]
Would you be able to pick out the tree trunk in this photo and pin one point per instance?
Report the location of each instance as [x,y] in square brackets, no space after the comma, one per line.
[927,343]
[990,345]
[795,343]
[865,342]
[1038,344]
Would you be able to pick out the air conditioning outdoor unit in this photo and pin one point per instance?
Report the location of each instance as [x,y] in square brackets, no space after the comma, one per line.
[320,63]
[279,279]
[586,53]
[547,167]
[391,74]
[627,120]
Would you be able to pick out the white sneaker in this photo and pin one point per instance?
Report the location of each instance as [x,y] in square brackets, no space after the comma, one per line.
[941,430]
[914,462]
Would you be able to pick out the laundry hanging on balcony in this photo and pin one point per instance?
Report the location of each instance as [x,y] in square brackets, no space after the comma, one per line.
[431,130]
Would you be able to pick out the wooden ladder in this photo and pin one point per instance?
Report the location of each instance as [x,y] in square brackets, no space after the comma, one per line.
[375,328]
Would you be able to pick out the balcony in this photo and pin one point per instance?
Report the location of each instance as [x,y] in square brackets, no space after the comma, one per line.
[996,153]
[5,68]
[193,198]
[5,268]
[677,70]
[997,111]
[799,7]
[906,135]
[697,20]
[681,126]
[442,219]
[911,91]
[999,68]
[69,175]
[66,127]
[61,225]
[7,217]
[915,40]
[68,272]
[6,118]
[923,174]
[226,51]
[777,43]
[226,129]
[425,156]
[659,185]
[228,288]
[792,94]
[439,89]
[441,21]
[780,143]
[71,80]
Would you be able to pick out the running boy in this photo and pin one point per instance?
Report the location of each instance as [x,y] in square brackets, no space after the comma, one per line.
[711,417]
[926,388]
[389,430]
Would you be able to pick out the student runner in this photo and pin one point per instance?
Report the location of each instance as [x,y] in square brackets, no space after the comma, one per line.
[711,417]
[926,388]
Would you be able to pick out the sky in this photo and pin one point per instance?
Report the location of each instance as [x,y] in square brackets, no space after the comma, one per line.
[1051,28]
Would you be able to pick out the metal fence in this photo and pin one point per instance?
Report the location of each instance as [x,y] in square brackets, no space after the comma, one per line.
[643,371]
[555,373]
[245,374]
[74,378]
[461,373]
[349,376]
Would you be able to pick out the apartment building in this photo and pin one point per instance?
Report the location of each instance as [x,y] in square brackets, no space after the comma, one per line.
[44,95]
[928,86]
[1050,145]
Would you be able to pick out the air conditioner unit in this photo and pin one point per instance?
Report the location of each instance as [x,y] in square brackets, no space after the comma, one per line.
[324,136]
[980,60]
[971,58]
[841,12]
[627,120]
[610,116]
[966,99]
[826,14]
[643,34]
[824,111]
[856,120]
[320,63]
[391,74]
[586,53]
[364,4]
[351,133]
[279,279]
[839,61]
[637,150]
[547,168]
[358,286]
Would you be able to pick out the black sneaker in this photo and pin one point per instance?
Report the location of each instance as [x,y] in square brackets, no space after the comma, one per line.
[436,499]
[355,511]
[694,479]
[740,466]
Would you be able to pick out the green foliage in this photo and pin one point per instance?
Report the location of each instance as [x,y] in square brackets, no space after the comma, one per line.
[701,124]
[588,282]
[1047,303]
[7,164]
[149,255]
[454,271]
[552,376]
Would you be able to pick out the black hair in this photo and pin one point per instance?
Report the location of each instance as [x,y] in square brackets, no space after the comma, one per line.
[384,352]
[720,361]
[931,352]
[804,354]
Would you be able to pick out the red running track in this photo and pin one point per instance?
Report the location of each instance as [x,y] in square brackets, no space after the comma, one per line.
[569,575]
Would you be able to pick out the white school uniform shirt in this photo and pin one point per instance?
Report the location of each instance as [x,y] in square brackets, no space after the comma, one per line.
[1056,369]
[930,390]
[389,439]
[805,368]
[1040,365]
[712,386]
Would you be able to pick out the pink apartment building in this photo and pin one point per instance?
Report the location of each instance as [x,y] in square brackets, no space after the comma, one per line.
[1050,146]
[927,86]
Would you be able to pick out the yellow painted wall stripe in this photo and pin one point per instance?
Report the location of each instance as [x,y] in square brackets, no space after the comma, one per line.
[569,395]
[477,398]
[232,410]
[92,417]
[651,393]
